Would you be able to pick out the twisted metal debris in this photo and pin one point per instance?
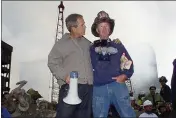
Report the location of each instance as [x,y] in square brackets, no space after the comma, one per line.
[20,103]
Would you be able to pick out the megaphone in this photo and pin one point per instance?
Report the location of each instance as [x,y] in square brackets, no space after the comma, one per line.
[72,96]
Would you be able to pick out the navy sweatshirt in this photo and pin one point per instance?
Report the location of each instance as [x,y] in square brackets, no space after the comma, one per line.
[104,71]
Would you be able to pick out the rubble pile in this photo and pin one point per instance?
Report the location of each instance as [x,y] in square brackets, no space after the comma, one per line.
[20,103]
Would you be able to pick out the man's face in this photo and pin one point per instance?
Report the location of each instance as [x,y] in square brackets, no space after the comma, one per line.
[168,106]
[132,102]
[163,109]
[148,108]
[162,83]
[152,91]
[103,29]
[80,29]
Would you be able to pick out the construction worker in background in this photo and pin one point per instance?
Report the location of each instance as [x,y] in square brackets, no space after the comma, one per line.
[71,53]
[173,86]
[133,103]
[112,66]
[163,113]
[165,91]
[141,96]
[154,97]
[148,113]
[137,108]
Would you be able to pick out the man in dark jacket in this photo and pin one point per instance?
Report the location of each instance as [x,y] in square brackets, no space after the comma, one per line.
[173,85]
[163,111]
[165,89]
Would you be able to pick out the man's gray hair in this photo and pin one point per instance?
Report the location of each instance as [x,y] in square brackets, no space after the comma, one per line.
[71,21]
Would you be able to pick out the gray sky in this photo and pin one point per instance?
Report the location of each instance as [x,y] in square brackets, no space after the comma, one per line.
[30,28]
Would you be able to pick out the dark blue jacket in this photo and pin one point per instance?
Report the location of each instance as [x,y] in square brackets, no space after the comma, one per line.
[103,71]
[5,113]
[173,85]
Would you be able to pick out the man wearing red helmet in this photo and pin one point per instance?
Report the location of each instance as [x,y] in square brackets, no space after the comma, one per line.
[112,66]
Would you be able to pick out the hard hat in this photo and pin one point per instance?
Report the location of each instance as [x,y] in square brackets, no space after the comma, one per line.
[147,103]
[152,87]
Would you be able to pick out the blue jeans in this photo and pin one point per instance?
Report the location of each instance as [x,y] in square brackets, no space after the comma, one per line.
[114,93]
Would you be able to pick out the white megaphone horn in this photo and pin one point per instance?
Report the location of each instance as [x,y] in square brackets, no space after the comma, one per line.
[72,96]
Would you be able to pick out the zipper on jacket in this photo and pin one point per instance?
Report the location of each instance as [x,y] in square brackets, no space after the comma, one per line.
[82,55]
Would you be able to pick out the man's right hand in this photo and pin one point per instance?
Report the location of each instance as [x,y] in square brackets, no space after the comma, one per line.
[121,78]
[67,79]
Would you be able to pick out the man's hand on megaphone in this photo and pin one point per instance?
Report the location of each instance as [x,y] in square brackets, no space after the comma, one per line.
[67,79]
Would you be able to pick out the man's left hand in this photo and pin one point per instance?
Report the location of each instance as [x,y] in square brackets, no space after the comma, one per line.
[121,78]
